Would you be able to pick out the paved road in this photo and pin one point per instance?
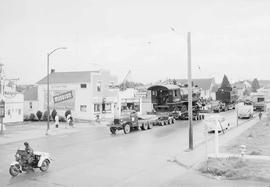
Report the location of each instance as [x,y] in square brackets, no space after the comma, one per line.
[94,157]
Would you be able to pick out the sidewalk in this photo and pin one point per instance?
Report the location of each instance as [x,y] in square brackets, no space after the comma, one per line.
[32,130]
[190,159]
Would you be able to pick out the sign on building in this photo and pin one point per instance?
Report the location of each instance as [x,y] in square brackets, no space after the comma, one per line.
[62,97]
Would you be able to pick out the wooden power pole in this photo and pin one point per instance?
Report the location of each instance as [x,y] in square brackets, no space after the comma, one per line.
[190,116]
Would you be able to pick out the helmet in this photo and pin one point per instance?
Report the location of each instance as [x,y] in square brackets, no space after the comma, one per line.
[26,143]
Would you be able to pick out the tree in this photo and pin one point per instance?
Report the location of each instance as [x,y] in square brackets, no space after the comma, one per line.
[255,85]
[32,117]
[39,115]
[225,82]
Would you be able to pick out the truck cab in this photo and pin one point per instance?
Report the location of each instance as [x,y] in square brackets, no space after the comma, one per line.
[127,121]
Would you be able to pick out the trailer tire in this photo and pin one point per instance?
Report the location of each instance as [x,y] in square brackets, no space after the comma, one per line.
[144,126]
[173,121]
[127,128]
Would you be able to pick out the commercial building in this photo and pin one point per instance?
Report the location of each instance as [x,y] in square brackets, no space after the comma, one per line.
[87,94]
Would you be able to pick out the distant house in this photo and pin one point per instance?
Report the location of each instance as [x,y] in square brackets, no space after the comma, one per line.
[241,87]
[86,93]
[206,86]
[31,100]
[264,83]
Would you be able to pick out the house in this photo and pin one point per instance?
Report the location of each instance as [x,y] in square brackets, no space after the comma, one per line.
[87,94]
[205,85]
[31,100]
[242,87]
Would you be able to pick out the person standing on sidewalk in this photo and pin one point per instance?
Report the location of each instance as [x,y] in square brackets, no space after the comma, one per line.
[56,121]
[260,115]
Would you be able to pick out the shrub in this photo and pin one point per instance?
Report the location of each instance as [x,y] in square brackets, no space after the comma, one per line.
[45,116]
[39,115]
[53,114]
[32,117]
[62,119]
[25,117]
[67,113]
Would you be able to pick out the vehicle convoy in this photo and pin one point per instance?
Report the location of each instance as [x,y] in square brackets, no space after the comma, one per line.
[41,160]
[245,111]
[173,99]
[228,96]
[129,121]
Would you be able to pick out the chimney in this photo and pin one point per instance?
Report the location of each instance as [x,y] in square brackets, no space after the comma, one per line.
[52,71]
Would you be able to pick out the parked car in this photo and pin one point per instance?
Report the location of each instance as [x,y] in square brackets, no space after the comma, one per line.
[223,124]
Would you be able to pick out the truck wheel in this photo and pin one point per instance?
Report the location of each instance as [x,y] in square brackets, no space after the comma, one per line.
[113,130]
[144,126]
[127,128]
[150,125]
[172,121]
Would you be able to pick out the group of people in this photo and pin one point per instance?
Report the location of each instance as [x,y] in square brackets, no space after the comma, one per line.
[69,121]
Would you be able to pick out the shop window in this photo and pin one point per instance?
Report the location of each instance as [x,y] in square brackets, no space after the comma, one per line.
[83,85]
[83,108]
[30,105]
[96,107]
[99,86]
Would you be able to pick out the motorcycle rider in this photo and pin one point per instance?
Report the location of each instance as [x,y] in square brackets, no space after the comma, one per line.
[29,153]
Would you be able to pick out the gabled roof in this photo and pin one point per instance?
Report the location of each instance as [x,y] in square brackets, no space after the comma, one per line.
[31,94]
[68,77]
[205,84]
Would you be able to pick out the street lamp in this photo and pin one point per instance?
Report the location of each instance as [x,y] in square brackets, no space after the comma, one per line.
[48,91]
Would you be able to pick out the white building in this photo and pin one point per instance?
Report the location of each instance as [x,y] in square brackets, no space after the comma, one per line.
[13,100]
[31,100]
[86,93]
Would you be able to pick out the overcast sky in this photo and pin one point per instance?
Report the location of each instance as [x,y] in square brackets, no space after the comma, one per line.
[229,37]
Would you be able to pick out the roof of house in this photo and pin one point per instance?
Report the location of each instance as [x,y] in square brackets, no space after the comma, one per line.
[31,94]
[68,77]
[165,86]
[205,84]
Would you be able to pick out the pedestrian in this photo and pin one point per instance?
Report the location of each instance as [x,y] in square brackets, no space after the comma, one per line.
[260,115]
[70,120]
[56,120]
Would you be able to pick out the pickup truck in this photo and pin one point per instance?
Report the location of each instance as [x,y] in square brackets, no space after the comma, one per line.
[129,120]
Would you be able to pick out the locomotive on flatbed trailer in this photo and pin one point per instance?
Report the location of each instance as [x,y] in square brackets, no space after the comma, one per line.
[228,96]
[174,99]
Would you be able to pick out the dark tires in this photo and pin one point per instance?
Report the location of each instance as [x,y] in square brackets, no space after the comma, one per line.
[13,171]
[150,125]
[127,128]
[45,165]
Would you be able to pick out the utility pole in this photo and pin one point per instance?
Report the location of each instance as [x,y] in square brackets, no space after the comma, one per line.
[190,116]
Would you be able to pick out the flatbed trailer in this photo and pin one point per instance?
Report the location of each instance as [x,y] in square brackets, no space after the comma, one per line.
[143,122]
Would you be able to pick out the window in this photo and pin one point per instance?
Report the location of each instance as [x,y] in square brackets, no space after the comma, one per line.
[83,108]
[96,107]
[19,111]
[8,112]
[175,93]
[30,105]
[99,86]
[83,85]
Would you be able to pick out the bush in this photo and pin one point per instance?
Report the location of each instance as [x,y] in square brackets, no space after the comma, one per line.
[39,115]
[32,117]
[53,114]
[25,117]
[62,119]
[45,116]
[67,113]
